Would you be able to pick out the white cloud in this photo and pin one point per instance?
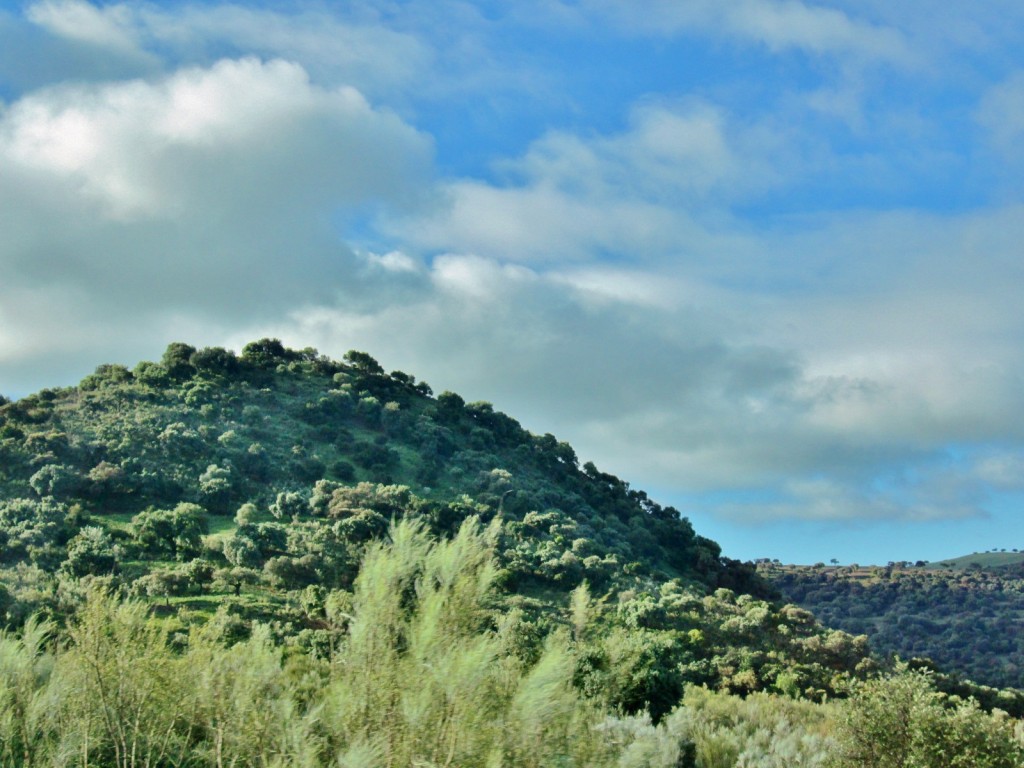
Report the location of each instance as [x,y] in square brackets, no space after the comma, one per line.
[600,286]
[109,27]
[792,24]
[476,278]
[142,149]
[669,149]
[367,55]
[826,500]
[1004,471]
[779,25]
[209,192]
[394,261]
[642,191]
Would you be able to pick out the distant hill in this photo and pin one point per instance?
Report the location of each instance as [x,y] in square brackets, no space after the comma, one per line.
[983,560]
[966,616]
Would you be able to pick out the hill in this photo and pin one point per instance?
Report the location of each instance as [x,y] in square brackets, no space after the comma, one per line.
[285,431]
[233,489]
[980,560]
[964,617]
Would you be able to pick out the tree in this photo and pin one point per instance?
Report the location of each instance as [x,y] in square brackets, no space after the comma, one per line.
[215,487]
[902,722]
[57,480]
[289,505]
[176,532]
[29,526]
[363,362]
[177,360]
[215,360]
[91,552]
[267,353]
[450,405]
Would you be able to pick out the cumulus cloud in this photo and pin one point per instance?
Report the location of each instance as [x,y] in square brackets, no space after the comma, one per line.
[213,191]
[642,191]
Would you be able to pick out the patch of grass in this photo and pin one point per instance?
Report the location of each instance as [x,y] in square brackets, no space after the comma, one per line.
[983,560]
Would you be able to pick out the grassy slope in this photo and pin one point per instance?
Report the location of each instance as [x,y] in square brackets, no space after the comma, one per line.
[983,560]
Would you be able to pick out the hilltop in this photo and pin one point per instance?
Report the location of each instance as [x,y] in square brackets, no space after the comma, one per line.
[287,434]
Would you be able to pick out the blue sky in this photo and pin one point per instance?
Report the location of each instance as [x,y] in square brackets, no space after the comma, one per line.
[761,258]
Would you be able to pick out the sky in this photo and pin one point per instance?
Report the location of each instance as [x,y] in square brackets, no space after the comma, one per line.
[763,259]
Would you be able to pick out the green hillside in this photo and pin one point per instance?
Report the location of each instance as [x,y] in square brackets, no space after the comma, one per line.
[965,620]
[291,435]
[982,560]
[275,558]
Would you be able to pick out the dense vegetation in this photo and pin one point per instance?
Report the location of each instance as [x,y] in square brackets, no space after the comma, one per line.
[279,559]
[966,621]
[427,676]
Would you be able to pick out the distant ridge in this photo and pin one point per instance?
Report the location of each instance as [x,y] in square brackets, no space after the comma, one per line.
[983,560]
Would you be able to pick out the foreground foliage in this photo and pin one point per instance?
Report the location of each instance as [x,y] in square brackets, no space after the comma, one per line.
[428,675]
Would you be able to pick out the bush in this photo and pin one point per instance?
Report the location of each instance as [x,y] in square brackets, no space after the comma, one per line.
[902,722]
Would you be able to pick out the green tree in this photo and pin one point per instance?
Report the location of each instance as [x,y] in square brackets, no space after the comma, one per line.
[267,353]
[901,721]
[176,532]
[91,552]
[216,486]
[215,360]
[363,363]
[177,360]
[57,480]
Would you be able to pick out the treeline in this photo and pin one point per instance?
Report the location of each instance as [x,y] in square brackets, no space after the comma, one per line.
[428,673]
[967,622]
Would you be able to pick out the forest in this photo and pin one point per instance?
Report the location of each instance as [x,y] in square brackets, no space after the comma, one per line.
[965,621]
[274,558]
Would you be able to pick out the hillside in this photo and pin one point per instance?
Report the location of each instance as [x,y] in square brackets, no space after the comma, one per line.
[233,489]
[965,619]
[981,560]
[283,431]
